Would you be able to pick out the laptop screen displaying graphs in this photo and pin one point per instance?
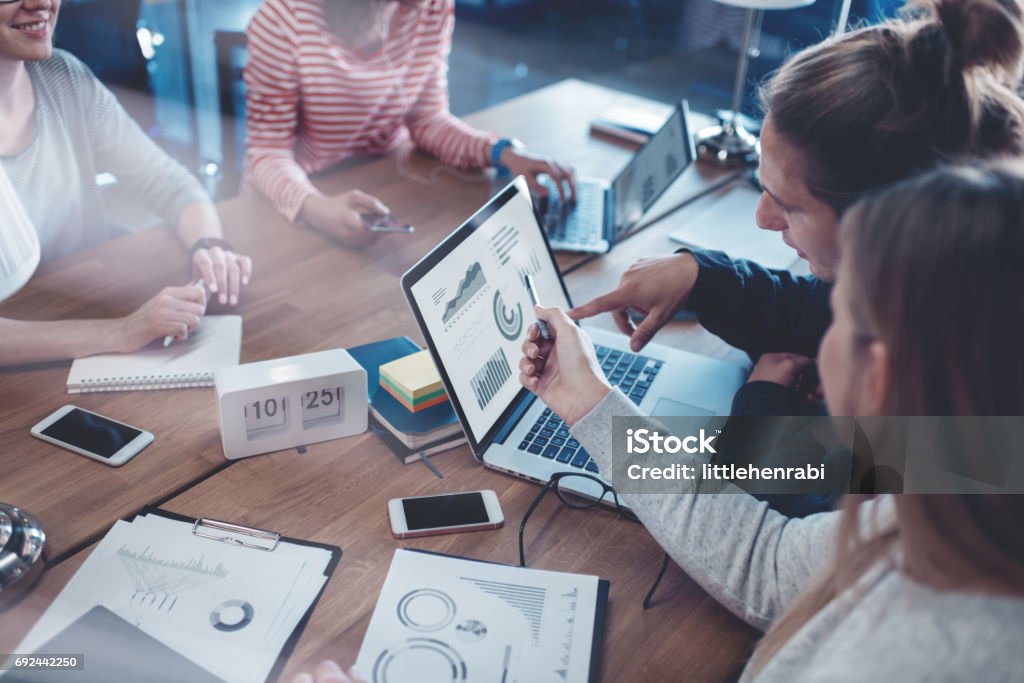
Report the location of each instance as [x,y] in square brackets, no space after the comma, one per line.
[475,308]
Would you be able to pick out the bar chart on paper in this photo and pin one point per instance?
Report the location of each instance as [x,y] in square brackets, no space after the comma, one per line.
[491,378]
[527,599]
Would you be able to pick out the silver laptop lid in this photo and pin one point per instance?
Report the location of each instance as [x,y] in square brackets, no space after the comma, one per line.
[651,171]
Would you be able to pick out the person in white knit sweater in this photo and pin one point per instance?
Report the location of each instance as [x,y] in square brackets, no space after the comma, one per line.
[60,128]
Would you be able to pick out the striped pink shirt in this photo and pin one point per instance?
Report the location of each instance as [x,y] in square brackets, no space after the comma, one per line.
[313,103]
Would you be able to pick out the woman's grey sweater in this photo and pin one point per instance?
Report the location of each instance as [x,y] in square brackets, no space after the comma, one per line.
[755,561]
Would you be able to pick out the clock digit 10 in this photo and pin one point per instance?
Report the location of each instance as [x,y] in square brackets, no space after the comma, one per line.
[323,406]
[266,417]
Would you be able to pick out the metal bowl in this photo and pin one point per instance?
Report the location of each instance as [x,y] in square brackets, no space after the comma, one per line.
[22,541]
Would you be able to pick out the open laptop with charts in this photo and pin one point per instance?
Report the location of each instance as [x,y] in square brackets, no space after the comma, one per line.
[473,308]
[604,212]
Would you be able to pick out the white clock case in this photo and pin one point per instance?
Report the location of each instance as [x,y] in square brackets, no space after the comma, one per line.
[290,376]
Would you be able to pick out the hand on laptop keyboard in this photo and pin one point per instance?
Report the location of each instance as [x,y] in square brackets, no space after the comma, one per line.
[543,204]
[553,196]
[573,224]
[536,168]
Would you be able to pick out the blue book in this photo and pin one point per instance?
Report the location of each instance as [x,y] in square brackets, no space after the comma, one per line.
[410,455]
[412,429]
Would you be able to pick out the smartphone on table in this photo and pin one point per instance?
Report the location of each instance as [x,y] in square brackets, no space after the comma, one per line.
[92,435]
[376,222]
[449,513]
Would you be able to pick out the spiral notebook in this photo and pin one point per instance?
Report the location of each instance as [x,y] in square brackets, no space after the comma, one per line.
[215,343]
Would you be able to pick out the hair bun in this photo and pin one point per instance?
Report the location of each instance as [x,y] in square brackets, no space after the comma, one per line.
[981,33]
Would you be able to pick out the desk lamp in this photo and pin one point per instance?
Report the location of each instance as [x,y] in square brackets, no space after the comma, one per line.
[21,537]
[729,144]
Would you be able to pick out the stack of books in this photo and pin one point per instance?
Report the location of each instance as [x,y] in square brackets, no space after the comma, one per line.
[409,429]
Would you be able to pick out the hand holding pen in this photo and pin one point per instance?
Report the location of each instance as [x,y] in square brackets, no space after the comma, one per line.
[188,321]
[532,291]
[174,313]
[561,369]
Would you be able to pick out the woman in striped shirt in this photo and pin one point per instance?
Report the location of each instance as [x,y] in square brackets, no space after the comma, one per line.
[332,79]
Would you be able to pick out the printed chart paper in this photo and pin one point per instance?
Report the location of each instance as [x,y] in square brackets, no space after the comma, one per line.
[228,609]
[448,619]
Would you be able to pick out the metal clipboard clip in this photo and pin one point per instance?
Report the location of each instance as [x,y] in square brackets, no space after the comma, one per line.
[235,534]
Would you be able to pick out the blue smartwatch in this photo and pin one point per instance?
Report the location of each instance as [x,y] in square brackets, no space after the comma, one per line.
[497,149]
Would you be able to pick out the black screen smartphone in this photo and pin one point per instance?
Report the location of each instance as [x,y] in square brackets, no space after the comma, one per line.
[448,513]
[385,223]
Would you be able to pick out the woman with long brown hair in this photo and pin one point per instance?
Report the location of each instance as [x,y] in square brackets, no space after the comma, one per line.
[928,319]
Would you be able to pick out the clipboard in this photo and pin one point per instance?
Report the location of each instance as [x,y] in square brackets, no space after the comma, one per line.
[600,610]
[258,540]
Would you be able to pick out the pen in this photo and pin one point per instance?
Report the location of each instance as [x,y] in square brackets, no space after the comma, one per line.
[504,667]
[169,339]
[543,326]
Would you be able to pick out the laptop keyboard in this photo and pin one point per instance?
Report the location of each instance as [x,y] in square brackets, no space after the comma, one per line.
[549,437]
[579,224]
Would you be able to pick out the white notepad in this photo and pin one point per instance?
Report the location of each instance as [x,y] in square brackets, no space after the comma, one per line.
[215,343]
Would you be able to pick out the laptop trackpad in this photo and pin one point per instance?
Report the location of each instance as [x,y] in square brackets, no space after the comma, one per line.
[666,407]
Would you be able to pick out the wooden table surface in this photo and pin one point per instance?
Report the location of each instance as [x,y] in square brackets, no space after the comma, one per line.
[308,294]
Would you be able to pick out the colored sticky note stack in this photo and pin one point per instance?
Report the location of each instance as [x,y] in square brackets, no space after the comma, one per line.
[414,381]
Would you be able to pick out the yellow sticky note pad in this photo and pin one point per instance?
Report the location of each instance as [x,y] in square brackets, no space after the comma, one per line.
[413,380]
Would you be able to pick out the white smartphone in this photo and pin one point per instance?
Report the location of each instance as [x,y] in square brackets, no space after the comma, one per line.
[94,436]
[446,514]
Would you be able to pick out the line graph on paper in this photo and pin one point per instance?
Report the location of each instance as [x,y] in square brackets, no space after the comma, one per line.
[158,583]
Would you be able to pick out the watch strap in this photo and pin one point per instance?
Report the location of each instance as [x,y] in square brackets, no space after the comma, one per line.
[498,148]
[208,242]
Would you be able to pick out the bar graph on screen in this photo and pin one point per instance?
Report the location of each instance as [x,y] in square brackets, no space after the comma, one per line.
[491,378]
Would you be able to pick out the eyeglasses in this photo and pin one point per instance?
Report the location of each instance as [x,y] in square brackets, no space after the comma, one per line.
[562,483]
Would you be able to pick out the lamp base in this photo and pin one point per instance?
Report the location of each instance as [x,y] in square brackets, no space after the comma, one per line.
[727,146]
